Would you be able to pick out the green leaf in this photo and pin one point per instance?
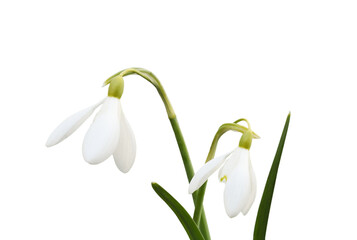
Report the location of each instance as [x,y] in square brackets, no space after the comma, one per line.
[265,203]
[190,226]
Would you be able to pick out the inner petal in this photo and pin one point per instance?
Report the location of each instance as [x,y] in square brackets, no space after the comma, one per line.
[230,163]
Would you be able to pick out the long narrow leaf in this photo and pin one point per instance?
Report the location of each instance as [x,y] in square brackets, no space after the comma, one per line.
[265,203]
[190,226]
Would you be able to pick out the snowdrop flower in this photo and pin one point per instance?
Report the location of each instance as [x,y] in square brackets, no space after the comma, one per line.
[109,135]
[238,175]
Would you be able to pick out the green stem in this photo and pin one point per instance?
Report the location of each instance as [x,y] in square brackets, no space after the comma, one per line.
[199,204]
[190,173]
[202,190]
[183,149]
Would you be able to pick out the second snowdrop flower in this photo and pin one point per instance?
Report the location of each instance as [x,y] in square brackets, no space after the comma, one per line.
[109,135]
[237,172]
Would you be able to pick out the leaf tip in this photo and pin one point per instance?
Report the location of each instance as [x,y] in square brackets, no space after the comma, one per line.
[154,185]
[288,117]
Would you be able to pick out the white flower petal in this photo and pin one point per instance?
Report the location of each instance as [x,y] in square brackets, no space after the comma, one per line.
[230,164]
[125,152]
[71,124]
[102,137]
[204,172]
[238,186]
[253,192]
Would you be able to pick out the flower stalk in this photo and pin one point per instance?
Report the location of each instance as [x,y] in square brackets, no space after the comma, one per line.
[203,226]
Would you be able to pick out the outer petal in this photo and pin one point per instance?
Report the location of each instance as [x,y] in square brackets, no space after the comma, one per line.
[103,135]
[253,191]
[125,152]
[71,124]
[202,175]
[238,186]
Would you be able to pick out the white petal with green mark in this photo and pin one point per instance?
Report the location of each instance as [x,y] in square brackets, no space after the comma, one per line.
[238,186]
[229,165]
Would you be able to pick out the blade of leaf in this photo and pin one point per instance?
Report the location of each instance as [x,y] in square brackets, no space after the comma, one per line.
[190,226]
[265,203]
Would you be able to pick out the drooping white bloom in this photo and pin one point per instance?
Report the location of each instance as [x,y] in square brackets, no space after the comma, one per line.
[237,173]
[109,134]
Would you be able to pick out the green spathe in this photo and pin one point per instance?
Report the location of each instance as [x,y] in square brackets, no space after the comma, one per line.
[116,87]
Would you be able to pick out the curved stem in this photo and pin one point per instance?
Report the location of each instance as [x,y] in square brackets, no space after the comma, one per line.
[150,77]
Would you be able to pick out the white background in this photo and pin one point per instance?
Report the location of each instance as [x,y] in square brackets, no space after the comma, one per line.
[218,61]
